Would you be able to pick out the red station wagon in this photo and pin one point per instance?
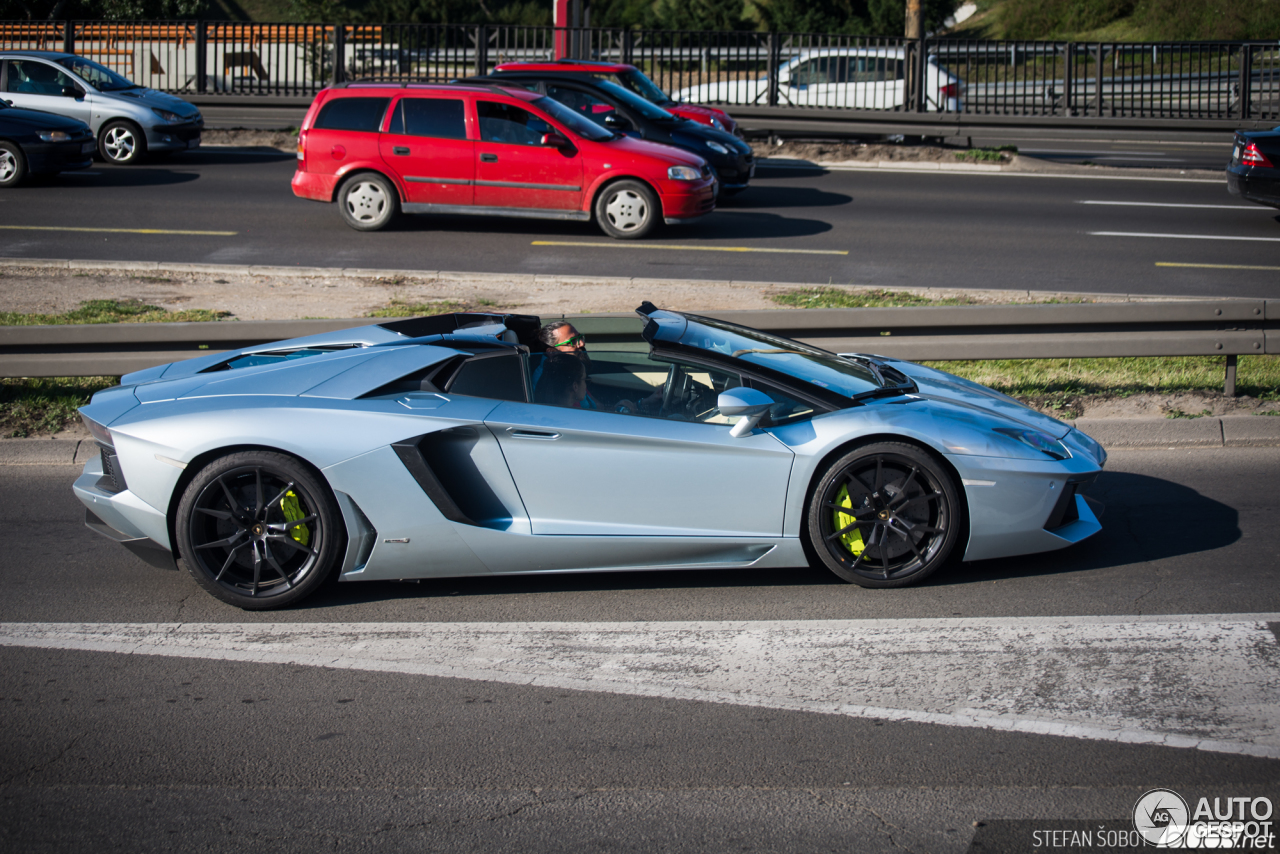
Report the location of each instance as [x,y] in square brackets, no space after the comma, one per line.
[380,148]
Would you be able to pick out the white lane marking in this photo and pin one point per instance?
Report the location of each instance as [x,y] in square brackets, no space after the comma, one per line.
[1203,682]
[1184,236]
[1173,205]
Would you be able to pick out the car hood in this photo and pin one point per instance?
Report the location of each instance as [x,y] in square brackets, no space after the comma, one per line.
[699,113]
[37,120]
[940,385]
[665,153]
[154,98]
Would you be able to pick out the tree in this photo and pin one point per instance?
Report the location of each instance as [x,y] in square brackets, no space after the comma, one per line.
[814,16]
[702,15]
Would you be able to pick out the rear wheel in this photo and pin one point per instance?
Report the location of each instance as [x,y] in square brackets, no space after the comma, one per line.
[259,530]
[368,201]
[884,515]
[627,210]
[13,166]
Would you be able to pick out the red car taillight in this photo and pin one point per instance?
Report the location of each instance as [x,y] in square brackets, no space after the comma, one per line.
[951,90]
[1254,157]
[302,150]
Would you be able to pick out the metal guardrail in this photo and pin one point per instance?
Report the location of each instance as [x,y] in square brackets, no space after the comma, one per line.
[1229,328]
[815,72]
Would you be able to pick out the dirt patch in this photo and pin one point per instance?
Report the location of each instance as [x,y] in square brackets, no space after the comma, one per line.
[284,140]
[872,152]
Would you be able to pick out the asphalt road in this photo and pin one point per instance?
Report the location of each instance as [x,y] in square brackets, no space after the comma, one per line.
[205,751]
[879,228]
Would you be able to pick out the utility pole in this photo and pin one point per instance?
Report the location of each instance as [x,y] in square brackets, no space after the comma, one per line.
[914,26]
[915,30]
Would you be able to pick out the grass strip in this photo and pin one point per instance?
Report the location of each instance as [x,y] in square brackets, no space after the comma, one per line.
[37,405]
[112,311]
[399,308]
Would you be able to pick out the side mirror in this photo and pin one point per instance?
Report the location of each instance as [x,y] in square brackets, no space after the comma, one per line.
[554,140]
[615,122]
[752,404]
[72,92]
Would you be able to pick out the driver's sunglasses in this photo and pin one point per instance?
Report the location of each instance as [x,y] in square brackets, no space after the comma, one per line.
[575,342]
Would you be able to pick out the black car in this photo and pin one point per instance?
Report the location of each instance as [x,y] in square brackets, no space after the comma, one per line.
[36,143]
[623,111]
[1254,170]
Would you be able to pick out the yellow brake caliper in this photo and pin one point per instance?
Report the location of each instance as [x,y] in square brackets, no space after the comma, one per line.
[292,510]
[852,538]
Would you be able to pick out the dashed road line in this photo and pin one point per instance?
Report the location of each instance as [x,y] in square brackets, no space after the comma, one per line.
[118,230]
[1184,236]
[1173,205]
[1215,266]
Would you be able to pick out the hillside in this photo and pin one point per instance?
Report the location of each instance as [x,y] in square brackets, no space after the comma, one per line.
[1123,20]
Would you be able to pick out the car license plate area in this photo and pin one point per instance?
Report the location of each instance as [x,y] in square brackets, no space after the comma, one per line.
[1235,154]
[194,143]
[87,147]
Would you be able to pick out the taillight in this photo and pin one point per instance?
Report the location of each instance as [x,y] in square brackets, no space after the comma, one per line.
[1254,157]
[302,149]
[951,90]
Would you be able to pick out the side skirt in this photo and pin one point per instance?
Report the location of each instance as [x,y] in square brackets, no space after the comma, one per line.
[472,210]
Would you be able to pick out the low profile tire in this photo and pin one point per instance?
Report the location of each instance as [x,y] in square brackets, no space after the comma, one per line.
[259,530]
[368,202]
[13,166]
[121,143]
[627,210]
[884,515]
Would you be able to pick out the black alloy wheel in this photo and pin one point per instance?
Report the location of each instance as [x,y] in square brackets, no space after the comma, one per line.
[884,515]
[259,530]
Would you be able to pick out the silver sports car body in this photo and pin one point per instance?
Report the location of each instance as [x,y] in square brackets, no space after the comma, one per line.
[459,445]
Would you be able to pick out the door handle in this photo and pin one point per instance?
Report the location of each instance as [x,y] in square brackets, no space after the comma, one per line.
[401,149]
[489,158]
[519,433]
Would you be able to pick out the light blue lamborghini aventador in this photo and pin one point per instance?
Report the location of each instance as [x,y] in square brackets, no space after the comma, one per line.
[455,445]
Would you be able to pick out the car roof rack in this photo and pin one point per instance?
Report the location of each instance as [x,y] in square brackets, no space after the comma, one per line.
[404,84]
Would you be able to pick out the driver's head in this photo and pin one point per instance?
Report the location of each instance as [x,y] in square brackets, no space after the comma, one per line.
[559,336]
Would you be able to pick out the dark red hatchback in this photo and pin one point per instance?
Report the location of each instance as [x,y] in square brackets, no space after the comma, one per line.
[378,149]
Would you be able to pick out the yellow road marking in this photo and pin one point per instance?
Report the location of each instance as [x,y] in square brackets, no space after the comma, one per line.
[1214,266]
[117,230]
[621,245]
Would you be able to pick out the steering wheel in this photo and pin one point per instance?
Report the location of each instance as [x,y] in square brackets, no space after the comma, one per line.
[669,391]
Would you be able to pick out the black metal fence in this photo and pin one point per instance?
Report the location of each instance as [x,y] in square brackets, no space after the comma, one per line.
[1187,80]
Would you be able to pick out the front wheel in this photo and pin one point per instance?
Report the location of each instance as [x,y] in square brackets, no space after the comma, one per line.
[13,166]
[884,515]
[259,530]
[121,143]
[627,210]
[368,202]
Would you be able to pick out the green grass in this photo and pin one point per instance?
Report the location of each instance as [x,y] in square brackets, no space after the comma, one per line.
[841,298]
[30,406]
[112,311]
[398,308]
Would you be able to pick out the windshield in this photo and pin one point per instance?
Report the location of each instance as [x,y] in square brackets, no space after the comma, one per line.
[580,125]
[98,76]
[823,369]
[638,82]
[635,102]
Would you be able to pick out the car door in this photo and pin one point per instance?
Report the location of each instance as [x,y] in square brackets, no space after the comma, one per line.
[675,472]
[33,84]
[514,169]
[426,143]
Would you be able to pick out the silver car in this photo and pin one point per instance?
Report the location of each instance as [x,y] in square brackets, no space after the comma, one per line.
[128,120]
[456,445]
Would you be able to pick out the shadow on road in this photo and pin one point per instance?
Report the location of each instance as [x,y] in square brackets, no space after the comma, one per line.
[720,225]
[109,177]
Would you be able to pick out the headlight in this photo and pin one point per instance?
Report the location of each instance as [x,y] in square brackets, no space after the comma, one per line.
[54,135]
[717,147]
[172,118]
[716,123]
[100,433]
[683,173]
[1042,442]
[1091,445]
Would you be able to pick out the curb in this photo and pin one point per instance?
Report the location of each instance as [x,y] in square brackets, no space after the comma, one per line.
[535,279]
[1231,431]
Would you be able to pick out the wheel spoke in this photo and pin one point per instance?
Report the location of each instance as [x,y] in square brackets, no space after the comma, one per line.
[852,524]
[283,527]
[906,482]
[290,541]
[271,559]
[257,568]
[232,502]
[231,556]
[217,514]
[848,511]
[257,490]
[281,496]
[925,497]
[879,474]
[222,543]
[906,535]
